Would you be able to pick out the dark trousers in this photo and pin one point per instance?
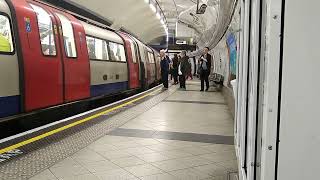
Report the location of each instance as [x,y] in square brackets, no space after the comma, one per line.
[175,77]
[204,77]
[164,78]
[182,79]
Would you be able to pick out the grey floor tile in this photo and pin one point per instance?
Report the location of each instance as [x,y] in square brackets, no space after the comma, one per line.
[219,148]
[212,170]
[126,144]
[117,174]
[147,142]
[81,177]
[161,147]
[108,139]
[171,165]
[100,166]
[153,157]
[128,161]
[173,154]
[163,176]
[122,153]
[230,165]
[44,175]
[195,150]
[220,157]
[143,170]
[190,174]
[194,161]
[66,162]
[101,147]
[87,155]
[218,178]
[69,171]
[139,150]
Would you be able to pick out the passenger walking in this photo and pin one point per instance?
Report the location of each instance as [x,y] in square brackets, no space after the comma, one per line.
[165,61]
[183,68]
[205,68]
[175,64]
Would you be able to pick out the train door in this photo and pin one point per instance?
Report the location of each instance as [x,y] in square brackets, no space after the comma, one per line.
[153,68]
[143,65]
[42,69]
[74,56]
[9,66]
[133,60]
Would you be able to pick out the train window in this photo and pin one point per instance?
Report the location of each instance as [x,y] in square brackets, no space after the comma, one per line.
[68,36]
[117,52]
[97,48]
[105,54]
[91,47]
[45,26]
[6,44]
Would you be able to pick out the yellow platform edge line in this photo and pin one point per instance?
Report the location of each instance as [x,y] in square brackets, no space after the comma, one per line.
[52,132]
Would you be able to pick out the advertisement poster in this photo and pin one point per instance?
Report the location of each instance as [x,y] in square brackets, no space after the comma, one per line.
[232,46]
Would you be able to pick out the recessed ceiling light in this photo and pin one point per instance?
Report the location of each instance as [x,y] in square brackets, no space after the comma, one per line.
[153,8]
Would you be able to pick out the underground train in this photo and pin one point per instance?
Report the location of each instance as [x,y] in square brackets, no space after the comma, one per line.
[50,57]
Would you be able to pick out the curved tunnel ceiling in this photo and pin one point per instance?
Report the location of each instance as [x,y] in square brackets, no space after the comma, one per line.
[137,17]
[133,15]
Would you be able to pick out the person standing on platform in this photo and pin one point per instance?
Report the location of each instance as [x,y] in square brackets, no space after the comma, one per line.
[175,64]
[165,61]
[189,69]
[205,68]
[183,70]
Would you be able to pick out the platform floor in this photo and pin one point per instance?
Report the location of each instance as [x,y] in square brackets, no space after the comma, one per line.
[187,136]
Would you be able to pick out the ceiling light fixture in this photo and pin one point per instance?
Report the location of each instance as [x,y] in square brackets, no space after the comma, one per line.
[153,8]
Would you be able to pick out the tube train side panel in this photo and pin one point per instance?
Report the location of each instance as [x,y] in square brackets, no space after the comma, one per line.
[64,59]
[109,72]
[74,57]
[43,74]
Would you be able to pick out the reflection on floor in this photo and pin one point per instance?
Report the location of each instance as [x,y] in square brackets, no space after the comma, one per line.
[188,136]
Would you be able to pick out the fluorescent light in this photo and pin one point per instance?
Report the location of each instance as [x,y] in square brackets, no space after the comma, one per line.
[154,9]
[146,1]
[158,16]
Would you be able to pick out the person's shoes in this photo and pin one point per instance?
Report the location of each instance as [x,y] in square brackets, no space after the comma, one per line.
[201,90]
[207,89]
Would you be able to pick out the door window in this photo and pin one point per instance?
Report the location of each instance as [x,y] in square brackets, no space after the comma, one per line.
[6,44]
[46,31]
[68,36]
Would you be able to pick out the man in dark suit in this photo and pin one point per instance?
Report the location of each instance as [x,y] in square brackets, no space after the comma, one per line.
[205,68]
[165,61]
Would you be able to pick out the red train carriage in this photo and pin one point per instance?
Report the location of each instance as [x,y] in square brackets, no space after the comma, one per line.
[45,52]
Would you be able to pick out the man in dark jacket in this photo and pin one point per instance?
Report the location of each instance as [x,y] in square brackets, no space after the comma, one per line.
[183,69]
[165,61]
[205,68]
[175,64]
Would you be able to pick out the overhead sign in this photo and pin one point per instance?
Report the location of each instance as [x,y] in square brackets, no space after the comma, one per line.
[181,42]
